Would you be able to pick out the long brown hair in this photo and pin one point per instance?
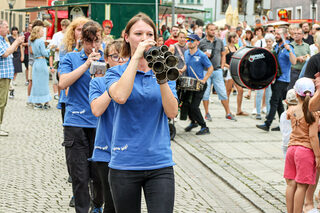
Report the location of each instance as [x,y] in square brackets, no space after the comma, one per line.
[308,116]
[126,49]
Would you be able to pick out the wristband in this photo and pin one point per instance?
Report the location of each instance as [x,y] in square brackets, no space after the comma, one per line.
[51,68]
[76,49]
[162,81]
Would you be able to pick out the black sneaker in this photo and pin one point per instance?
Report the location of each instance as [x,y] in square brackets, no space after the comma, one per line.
[191,126]
[11,94]
[203,131]
[71,203]
[275,128]
[263,127]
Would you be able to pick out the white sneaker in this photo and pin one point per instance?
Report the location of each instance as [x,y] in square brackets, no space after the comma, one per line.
[254,111]
[264,110]
[4,133]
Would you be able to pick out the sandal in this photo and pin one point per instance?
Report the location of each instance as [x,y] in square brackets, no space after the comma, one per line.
[242,113]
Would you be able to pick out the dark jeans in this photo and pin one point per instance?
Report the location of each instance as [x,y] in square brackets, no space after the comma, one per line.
[79,144]
[294,75]
[158,187]
[279,91]
[191,104]
[103,171]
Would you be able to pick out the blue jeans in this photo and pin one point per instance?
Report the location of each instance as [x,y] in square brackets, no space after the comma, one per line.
[267,98]
[158,187]
[216,79]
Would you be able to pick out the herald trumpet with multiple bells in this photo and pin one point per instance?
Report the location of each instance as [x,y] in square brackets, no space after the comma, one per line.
[162,62]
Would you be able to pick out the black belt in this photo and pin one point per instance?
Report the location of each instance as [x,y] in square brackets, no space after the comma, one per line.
[219,67]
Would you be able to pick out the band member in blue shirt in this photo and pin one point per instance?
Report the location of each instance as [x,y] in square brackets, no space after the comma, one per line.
[79,122]
[196,63]
[141,156]
[102,107]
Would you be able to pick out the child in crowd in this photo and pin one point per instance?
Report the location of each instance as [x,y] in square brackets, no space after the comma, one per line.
[285,124]
[303,154]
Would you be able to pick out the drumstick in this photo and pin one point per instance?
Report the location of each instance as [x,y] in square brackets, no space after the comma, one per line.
[194,72]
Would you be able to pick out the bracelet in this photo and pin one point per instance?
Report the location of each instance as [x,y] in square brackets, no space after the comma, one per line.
[162,81]
[51,68]
[76,49]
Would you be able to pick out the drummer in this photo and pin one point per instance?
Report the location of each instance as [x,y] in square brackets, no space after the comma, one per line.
[195,64]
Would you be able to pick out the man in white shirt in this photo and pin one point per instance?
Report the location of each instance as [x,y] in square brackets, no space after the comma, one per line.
[54,60]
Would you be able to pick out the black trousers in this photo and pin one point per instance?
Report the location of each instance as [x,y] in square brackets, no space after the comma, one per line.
[103,171]
[191,104]
[63,111]
[279,91]
[294,75]
[158,187]
[79,143]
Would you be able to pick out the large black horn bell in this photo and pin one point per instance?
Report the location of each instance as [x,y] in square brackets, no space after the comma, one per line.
[253,68]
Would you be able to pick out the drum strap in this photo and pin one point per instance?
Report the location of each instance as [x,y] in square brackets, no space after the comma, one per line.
[179,51]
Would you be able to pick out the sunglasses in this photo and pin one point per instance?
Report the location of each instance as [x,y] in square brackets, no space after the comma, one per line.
[190,40]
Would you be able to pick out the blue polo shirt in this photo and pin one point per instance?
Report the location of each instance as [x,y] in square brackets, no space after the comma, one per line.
[198,61]
[78,110]
[102,144]
[284,61]
[140,137]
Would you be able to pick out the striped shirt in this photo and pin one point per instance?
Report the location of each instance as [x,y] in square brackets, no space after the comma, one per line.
[6,64]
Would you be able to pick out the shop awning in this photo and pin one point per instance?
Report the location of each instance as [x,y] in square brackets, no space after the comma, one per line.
[61,13]
[167,9]
[163,9]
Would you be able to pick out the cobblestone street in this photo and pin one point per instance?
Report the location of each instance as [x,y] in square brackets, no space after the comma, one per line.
[237,168]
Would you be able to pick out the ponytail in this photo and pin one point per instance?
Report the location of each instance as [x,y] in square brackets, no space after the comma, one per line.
[308,116]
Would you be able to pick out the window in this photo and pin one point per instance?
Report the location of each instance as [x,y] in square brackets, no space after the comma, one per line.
[258,6]
[21,22]
[2,14]
[299,12]
[198,1]
[314,11]
[190,1]
[224,5]
[181,1]
[242,4]
[6,16]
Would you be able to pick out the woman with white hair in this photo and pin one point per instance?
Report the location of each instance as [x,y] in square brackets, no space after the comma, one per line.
[265,93]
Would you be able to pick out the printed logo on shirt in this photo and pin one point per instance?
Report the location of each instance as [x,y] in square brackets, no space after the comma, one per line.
[121,148]
[77,112]
[197,58]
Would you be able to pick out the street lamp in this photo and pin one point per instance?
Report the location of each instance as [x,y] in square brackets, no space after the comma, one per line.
[11,4]
[314,2]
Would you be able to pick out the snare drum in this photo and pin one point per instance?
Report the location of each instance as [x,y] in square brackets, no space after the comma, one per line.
[189,83]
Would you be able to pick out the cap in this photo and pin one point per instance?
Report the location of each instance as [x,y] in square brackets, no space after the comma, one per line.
[107,23]
[304,85]
[194,37]
[291,97]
